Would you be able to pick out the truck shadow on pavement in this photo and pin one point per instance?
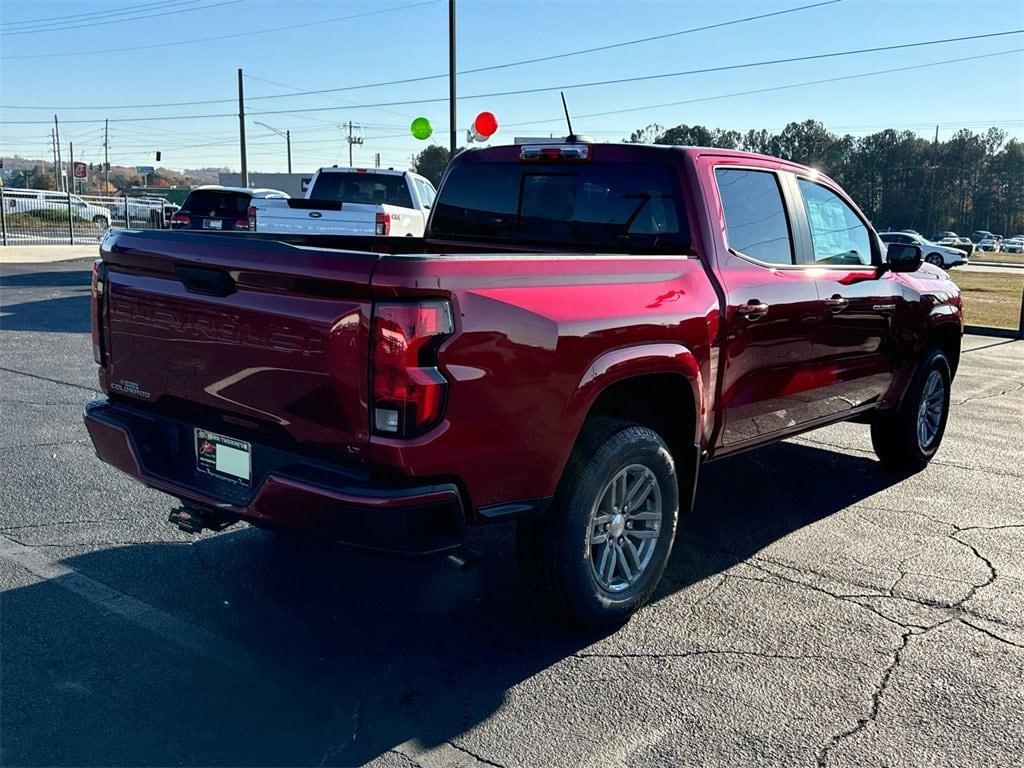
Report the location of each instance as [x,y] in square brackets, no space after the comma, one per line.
[61,313]
[340,656]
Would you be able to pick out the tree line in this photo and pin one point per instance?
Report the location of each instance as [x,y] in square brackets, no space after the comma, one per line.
[969,182]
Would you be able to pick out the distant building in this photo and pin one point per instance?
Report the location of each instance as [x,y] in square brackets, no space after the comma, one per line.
[292,183]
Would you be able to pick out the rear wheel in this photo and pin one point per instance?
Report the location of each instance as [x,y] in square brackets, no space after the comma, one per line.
[906,439]
[101,221]
[598,556]
[934,259]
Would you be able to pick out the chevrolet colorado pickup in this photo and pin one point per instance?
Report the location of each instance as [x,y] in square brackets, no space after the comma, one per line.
[581,328]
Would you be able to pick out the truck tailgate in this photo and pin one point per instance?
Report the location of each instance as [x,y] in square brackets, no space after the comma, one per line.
[279,216]
[256,336]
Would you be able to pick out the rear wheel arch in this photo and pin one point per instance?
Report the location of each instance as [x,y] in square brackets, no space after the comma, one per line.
[658,386]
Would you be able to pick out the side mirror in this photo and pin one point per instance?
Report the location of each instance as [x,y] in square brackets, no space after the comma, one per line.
[903,257]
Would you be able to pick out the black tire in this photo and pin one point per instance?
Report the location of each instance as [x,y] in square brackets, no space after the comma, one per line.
[934,259]
[101,221]
[554,551]
[894,433]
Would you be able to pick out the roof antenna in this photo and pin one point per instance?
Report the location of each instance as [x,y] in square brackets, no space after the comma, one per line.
[571,138]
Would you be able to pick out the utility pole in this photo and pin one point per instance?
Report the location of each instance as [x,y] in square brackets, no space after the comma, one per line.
[106,157]
[376,160]
[352,140]
[56,168]
[241,129]
[60,163]
[936,135]
[71,167]
[452,116]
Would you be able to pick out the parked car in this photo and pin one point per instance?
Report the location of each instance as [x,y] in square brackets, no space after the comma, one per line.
[981,234]
[25,200]
[954,240]
[351,201]
[141,211]
[988,244]
[582,327]
[939,255]
[1014,244]
[169,210]
[218,208]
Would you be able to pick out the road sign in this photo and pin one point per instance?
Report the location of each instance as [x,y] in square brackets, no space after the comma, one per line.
[80,172]
[145,170]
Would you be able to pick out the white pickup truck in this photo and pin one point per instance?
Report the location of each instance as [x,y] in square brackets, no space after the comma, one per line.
[350,201]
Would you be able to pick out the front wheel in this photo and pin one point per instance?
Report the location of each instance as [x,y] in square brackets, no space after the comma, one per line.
[907,438]
[101,221]
[934,259]
[598,556]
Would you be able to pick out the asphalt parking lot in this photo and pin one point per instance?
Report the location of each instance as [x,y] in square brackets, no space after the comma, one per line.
[816,611]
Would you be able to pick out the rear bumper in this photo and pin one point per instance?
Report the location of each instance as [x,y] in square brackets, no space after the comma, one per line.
[288,490]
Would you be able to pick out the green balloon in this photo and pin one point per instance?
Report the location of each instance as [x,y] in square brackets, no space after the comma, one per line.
[421,128]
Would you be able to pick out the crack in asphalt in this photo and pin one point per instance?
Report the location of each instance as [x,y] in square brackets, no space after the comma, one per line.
[52,381]
[990,633]
[42,445]
[474,755]
[714,652]
[405,756]
[64,522]
[805,439]
[876,699]
[974,398]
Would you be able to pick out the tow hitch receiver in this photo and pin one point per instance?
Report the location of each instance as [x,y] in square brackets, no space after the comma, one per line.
[193,519]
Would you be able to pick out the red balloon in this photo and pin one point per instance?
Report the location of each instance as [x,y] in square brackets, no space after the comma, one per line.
[486,124]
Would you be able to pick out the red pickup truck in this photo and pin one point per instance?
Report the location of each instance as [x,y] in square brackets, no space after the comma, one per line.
[581,328]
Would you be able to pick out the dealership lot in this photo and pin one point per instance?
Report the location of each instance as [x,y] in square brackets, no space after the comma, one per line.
[816,611]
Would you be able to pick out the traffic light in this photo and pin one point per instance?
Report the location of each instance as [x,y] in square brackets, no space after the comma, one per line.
[158,157]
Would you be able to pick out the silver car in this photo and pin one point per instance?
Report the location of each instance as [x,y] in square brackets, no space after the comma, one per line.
[939,255]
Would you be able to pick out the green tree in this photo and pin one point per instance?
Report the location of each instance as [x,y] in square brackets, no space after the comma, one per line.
[900,180]
[699,136]
[431,163]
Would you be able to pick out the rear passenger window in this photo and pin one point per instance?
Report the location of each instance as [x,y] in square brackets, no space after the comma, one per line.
[755,219]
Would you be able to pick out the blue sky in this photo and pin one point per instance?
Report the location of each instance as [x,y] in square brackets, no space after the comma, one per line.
[412,42]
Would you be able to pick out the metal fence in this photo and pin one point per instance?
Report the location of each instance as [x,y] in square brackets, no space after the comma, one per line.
[33,216]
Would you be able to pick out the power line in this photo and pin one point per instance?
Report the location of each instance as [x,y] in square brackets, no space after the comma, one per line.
[232,35]
[543,89]
[641,78]
[592,114]
[566,54]
[773,88]
[104,22]
[120,12]
[422,78]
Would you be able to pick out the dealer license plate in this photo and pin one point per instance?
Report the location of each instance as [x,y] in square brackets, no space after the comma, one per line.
[223,457]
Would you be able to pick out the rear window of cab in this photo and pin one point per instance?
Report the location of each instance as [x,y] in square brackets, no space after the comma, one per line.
[608,205]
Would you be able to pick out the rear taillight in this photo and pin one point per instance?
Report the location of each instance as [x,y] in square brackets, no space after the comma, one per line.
[252,217]
[383,224]
[99,280]
[408,388]
[180,220]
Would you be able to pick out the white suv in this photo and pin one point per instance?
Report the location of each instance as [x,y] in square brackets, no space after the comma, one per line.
[24,200]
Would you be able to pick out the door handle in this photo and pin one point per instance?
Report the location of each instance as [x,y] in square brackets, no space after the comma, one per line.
[837,303]
[753,309]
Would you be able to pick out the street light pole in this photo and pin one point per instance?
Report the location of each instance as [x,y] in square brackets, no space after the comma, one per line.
[287,137]
[452,116]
